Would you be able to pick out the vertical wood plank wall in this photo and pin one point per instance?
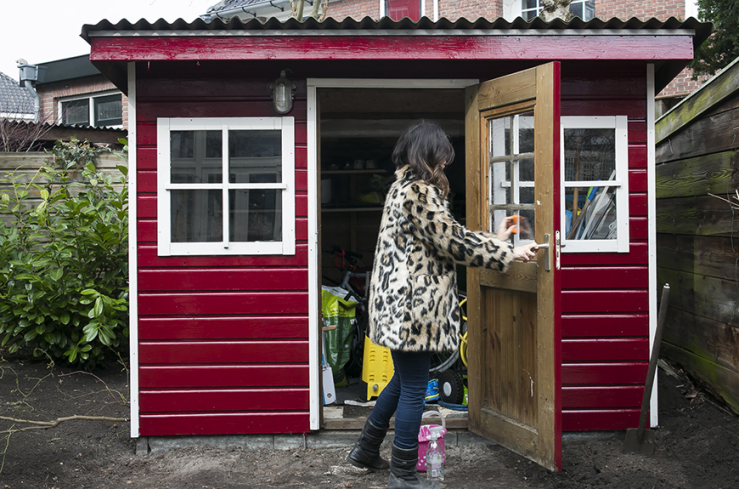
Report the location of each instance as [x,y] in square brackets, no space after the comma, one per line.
[223,340]
[697,246]
[605,296]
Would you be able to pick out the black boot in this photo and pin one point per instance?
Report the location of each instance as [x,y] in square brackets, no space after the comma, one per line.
[366,453]
[403,474]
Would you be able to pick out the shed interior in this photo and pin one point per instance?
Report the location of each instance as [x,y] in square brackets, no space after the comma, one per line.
[358,131]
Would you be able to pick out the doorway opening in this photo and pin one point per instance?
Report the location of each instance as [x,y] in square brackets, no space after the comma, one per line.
[356,131]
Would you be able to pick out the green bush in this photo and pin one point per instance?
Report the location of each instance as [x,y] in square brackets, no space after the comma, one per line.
[64,262]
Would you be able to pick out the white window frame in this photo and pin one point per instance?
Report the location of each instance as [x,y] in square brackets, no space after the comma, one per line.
[164,185]
[691,9]
[90,97]
[514,8]
[620,183]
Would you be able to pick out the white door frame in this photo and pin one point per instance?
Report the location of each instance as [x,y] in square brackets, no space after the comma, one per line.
[313,273]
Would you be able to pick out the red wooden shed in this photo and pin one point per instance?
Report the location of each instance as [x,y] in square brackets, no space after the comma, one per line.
[551,121]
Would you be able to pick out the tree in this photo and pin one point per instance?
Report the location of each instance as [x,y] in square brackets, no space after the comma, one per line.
[318,5]
[723,46]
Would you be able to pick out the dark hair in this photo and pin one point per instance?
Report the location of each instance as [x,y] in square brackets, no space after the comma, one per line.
[427,149]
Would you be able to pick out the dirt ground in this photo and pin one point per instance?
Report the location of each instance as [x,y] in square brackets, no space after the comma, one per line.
[697,447]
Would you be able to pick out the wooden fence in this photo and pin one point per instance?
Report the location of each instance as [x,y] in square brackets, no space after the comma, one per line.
[698,233]
[25,167]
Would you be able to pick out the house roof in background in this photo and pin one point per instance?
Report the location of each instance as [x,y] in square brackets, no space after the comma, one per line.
[14,99]
[66,69]
[229,8]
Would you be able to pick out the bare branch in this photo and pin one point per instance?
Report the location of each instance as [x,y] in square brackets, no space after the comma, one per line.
[42,425]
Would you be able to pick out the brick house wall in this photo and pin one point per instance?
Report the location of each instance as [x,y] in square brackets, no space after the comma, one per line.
[51,93]
[469,9]
[356,9]
[604,9]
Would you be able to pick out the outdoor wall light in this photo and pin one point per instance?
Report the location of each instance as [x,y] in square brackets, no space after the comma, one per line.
[282,94]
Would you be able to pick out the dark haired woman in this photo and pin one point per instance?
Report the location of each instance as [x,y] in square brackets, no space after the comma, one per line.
[413,298]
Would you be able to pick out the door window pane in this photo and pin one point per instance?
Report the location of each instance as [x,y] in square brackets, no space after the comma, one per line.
[511,160]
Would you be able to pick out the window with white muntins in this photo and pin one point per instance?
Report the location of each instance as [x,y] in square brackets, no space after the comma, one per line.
[101,110]
[595,190]
[585,9]
[226,186]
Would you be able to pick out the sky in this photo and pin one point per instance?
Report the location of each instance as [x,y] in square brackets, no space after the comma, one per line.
[47,30]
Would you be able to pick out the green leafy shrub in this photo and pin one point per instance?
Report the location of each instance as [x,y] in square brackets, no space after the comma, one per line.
[64,262]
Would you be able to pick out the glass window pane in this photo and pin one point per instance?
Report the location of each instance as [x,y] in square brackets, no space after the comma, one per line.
[590,154]
[526,170]
[525,133]
[214,144]
[594,217]
[576,9]
[108,110]
[589,10]
[190,163]
[526,195]
[397,9]
[526,226]
[531,4]
[197,215]
[254,153]
[255,215]
[500,137]
[76,112]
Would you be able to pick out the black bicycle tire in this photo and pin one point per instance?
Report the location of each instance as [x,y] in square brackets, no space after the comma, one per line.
[437,367]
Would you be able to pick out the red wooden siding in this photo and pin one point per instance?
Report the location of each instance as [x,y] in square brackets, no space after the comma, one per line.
[605,296]
[224,423]
[223,340]
[483,48]
[170,376]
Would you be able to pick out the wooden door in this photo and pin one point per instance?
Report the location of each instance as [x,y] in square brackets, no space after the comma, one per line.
[512,150]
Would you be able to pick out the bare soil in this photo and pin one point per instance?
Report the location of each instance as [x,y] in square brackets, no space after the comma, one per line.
[697,446]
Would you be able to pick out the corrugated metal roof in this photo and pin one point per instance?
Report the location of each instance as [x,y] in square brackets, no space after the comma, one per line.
[14,99]
[403,26]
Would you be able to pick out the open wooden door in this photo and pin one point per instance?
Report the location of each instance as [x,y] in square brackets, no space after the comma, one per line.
[512,150]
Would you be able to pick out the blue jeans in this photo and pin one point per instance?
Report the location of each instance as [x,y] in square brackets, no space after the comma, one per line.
[404,396]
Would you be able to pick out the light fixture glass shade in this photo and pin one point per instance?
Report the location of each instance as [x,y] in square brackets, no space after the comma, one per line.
[282,94]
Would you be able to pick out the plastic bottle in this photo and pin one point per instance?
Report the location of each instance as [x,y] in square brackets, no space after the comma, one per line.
[434,459]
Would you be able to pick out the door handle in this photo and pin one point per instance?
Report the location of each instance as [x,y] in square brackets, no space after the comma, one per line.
[548,254]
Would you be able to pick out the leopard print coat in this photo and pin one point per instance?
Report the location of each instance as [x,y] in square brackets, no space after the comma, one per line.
[413,291]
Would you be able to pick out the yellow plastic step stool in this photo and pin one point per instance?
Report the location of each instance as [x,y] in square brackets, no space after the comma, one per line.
[377,368]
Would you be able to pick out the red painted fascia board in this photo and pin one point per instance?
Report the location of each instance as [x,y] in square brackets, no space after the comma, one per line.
[515,47]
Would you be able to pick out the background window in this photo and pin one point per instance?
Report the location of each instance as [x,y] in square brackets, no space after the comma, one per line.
[585,9]
[226,186]
[397,9]
[103,111]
